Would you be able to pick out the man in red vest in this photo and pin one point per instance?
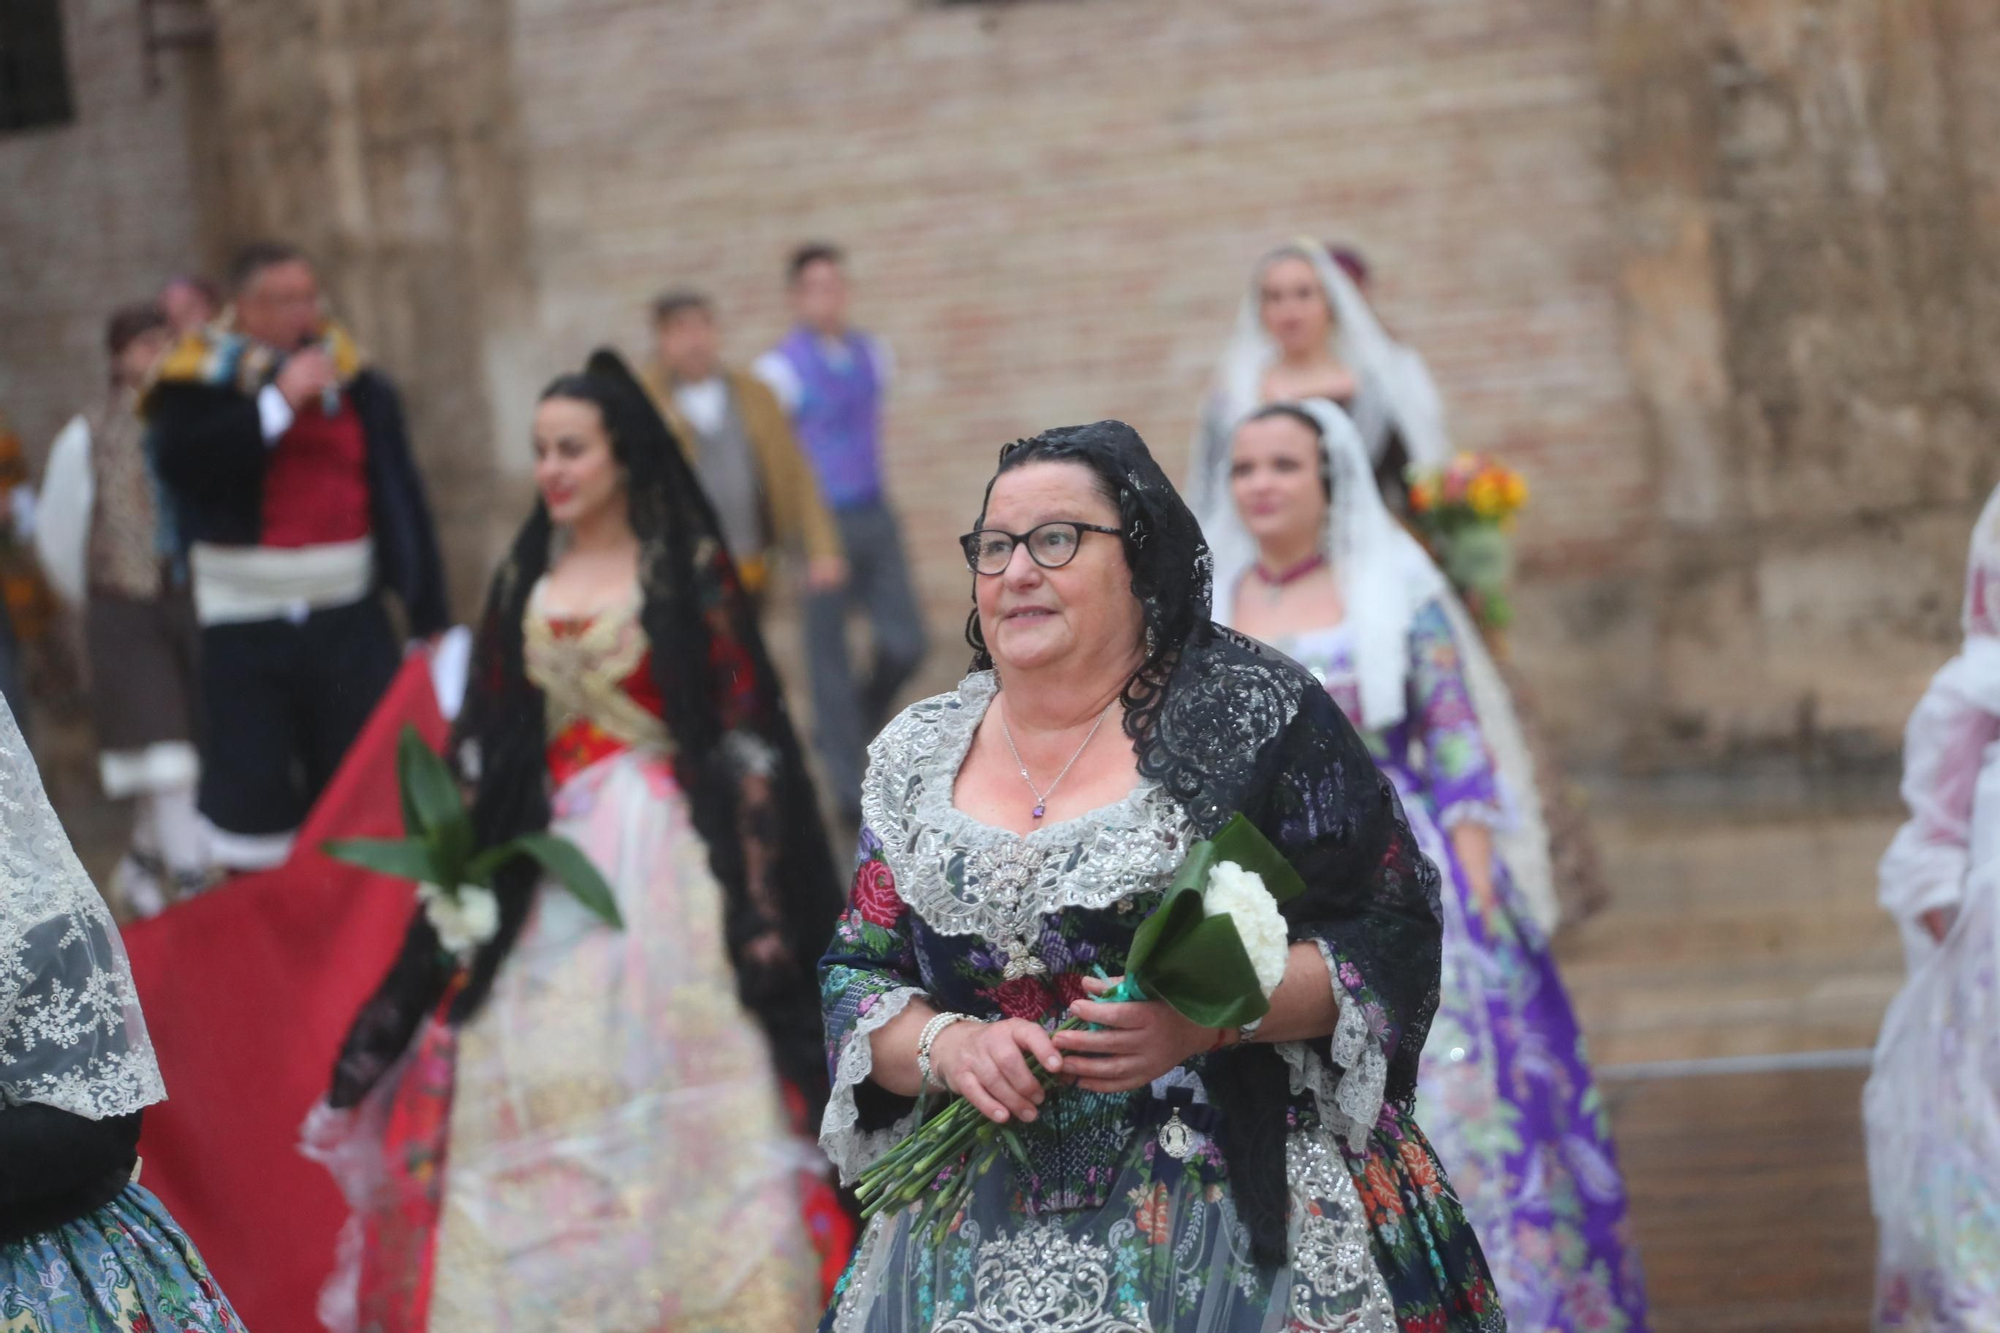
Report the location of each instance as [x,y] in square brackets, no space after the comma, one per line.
[293,497]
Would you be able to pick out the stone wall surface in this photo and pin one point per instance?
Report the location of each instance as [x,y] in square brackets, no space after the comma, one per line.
[1714,273]
[1803,187]
[92,214]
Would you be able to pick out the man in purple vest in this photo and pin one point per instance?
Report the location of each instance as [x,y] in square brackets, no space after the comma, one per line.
[831,379]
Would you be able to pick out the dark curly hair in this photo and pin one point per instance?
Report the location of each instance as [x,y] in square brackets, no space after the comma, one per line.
[1172,572]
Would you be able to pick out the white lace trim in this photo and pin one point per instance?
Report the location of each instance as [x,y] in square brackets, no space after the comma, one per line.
[963,877]
[849,1147]
[1347,1092]
[1474,812]
[71,1035]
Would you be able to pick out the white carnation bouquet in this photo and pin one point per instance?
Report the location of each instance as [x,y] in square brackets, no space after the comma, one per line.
[1214,950]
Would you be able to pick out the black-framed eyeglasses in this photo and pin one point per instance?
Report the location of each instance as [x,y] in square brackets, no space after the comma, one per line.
[1050,545]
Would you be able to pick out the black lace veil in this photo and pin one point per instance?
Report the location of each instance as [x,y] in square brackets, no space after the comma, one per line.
[737,758]
[1172,574]
[1227,726]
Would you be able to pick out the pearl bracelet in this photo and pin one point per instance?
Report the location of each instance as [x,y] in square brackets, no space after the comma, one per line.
[925,1039]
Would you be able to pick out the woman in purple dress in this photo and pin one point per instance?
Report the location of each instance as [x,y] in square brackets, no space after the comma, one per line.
[1309,560]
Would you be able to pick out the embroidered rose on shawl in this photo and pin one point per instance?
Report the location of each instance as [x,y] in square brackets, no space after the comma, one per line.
[1023,997]
[875,896]
[1069,989]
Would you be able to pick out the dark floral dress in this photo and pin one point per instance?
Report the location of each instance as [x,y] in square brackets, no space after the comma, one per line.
[1112,1224]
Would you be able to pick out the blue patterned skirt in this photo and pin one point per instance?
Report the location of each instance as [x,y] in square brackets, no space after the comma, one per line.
[125,1267]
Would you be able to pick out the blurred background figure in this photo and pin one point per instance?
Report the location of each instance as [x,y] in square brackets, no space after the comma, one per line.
[1288,345]
[742,447]
[833,379]
[189,302]
[293,490]
[105,542]
[1309,560]
[607,1103]
[1933,1117]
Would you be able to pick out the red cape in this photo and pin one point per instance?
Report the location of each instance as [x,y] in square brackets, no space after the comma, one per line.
[248,992]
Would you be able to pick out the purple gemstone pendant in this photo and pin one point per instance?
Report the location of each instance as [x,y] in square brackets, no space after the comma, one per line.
[1041,810]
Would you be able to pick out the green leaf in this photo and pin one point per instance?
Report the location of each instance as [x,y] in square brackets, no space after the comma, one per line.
[405,858]
[1205,975]
[431,791]
[567,864]
[430,796]
[1177,913]
[481,868]
[413,823]
[1244,843]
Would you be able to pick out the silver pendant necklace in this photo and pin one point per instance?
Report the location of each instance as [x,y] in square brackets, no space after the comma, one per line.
[1042,797]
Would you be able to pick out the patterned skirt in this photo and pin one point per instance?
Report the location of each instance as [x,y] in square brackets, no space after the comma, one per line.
[125,1267]
[605,1144]
[1377,1245]
[1506,1091]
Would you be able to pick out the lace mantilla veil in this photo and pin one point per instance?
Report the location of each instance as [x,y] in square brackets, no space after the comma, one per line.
[1390,371]
[71,1035]
[1386,577]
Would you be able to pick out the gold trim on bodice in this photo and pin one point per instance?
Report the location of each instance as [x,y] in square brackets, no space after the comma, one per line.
[582,674]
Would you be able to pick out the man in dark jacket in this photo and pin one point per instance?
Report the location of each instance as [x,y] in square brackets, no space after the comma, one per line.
[292,493]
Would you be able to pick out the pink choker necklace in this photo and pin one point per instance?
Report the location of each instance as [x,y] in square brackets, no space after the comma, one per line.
[1276,582]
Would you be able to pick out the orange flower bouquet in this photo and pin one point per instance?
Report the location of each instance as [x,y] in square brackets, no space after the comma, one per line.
[1465,514]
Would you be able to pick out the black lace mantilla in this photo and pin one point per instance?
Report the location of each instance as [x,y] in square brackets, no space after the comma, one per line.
[1225,725]
[1240,728]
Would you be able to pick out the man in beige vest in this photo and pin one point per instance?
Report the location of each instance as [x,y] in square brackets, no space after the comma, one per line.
[742,447]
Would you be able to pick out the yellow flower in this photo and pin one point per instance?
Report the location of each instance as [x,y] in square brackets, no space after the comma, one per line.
[1487,495]
[1517,490]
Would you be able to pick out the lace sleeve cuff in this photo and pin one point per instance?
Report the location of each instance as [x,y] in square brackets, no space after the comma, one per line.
[849,1146]
[1347,1088]
[1488,813]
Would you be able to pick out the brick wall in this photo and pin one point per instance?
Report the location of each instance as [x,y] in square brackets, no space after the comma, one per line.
[1715,276]
[1052,210]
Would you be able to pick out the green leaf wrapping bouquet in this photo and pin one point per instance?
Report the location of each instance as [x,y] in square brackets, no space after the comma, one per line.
[454,878]
[1214,950]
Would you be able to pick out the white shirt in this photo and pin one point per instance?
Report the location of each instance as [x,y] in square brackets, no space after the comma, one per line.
[777,372]
[705,405]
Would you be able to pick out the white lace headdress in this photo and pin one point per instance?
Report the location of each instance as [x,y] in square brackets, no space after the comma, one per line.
[1386,577]
[71,1035]
[1395,381]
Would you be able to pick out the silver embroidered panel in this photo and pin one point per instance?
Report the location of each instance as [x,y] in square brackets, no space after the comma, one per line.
[962,877]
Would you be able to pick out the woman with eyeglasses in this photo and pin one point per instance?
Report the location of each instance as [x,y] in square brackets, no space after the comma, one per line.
[1016,832]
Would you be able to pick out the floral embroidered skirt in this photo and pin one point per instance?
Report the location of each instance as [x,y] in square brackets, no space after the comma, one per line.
[1377,1245]
[605,1144]
[1506,1092]
[125,1267]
